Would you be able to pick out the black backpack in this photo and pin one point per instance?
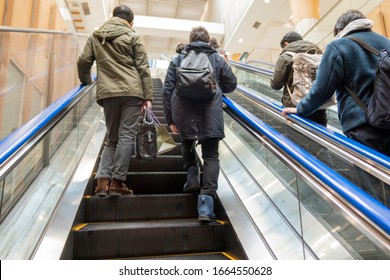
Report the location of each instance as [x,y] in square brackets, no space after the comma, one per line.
[195,77]
[378,110]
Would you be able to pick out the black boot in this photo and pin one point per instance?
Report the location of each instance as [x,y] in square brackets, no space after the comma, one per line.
[193,180]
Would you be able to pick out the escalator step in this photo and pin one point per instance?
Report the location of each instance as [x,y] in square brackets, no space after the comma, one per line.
[193,256]
[137,239]
[141,207]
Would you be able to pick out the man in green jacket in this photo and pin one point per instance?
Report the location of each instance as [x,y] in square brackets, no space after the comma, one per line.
[124,90]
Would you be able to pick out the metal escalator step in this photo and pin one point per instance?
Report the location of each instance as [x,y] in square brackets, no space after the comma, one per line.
[141,207]
[156,182]
[137,239]
[193,256]
[163,163]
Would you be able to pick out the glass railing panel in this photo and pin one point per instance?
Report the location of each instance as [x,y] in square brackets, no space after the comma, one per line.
[251,176]
[18,180]
[261,64]
[28,219]
[321,33]
[304,207]
[260,84]
[24,75]
[348,235]
[353,173]
[36,69]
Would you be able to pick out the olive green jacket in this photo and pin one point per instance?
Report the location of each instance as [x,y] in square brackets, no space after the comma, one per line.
[121,61]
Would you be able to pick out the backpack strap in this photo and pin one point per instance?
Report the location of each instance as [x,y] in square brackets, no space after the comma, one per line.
[364,45]
[370,49]
[357,99]
[292,54]
[312,49]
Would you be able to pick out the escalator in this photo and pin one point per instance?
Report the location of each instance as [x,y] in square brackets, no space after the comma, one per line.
[159,221]
[369,171]
[270,206]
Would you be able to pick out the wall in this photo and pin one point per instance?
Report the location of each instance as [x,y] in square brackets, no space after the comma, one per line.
[25,60]
[228,12]
[381,18]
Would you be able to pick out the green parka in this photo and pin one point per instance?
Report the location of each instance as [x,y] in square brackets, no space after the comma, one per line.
[121,60]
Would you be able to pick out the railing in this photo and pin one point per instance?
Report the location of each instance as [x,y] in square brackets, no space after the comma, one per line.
[37,162]
[374,213]
[321,33]
[259,79]
[39,67]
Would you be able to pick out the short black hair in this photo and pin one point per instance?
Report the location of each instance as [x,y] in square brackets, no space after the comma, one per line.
[124,12]
[199,33]
[346,19]
[290,37]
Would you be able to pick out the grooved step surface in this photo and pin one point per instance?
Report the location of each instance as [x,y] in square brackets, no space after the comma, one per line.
[138,207]
[147,238]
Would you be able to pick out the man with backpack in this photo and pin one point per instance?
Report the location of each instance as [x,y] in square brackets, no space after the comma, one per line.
[192,97]
[292,43]
[347,67]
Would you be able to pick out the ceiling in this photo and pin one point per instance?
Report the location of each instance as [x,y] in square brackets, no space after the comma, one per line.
[262,42]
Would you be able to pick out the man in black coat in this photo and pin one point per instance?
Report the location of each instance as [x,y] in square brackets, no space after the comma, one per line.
[200,121]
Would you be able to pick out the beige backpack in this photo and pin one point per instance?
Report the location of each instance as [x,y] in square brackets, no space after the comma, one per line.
[305,66]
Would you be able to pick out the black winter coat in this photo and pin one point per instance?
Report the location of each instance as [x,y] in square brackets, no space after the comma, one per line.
[198,119]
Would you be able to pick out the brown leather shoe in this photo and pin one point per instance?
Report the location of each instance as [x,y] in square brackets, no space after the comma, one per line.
[118,188]
[101,189]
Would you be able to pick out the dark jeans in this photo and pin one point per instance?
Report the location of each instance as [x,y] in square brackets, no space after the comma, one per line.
[210,156]
[121,115]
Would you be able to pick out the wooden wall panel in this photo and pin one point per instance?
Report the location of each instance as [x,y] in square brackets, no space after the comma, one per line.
[2,8]
[19,13]
[381,18]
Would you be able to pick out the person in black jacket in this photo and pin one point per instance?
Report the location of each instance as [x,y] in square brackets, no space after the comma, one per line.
[283,73]
[199,121]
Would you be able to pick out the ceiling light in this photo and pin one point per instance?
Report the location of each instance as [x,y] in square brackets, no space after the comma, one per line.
[267,1]
[240,40]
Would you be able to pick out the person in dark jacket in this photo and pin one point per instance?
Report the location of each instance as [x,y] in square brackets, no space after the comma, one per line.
[346,63]
[124,89]
[199,121]
[283,73]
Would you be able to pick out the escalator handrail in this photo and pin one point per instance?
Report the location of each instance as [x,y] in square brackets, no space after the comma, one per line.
[375,211]
[252,68]
[344,141]
[17,139]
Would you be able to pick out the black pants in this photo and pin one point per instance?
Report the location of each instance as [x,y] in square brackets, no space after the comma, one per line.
[319,116]
[210,156]
[379,140]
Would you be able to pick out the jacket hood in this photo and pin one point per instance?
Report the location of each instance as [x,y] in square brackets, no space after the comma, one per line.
[301,46]
[112,29]
[356,25]
[199,47]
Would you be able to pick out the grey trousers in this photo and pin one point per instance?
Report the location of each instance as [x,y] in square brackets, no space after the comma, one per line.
[121,116]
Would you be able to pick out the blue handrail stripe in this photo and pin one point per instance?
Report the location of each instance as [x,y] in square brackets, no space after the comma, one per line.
[357,147]
[374,210]
[22,135]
